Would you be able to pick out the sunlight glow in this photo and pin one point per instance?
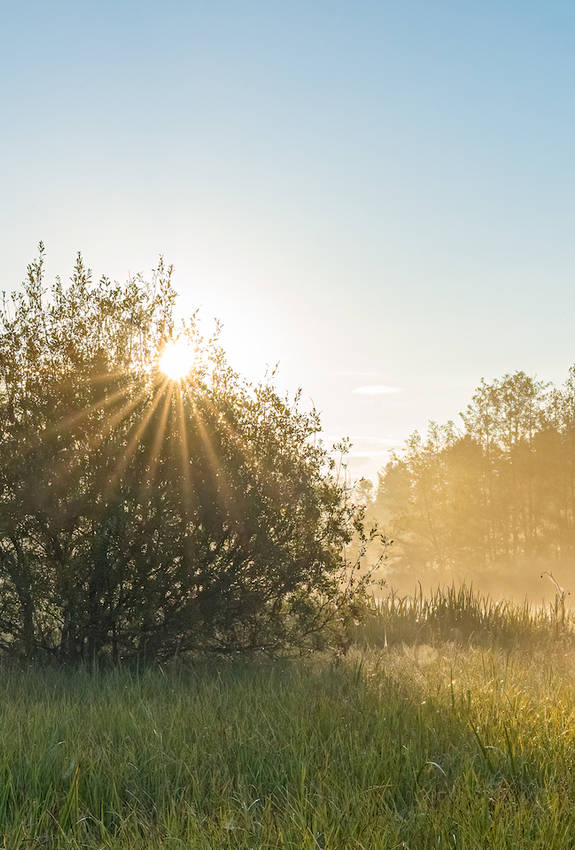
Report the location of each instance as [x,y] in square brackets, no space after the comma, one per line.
[177,360]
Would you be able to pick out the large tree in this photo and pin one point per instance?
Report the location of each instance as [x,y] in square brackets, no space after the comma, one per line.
[142,516]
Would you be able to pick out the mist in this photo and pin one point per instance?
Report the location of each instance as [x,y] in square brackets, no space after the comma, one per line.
[488,502]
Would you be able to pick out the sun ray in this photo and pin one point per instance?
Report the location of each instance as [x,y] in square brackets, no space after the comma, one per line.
[119,415]
[187,483]
[216,466]
[154,455]
[134,440]
[75,418]
[60,426]
[63,472]
[248,454]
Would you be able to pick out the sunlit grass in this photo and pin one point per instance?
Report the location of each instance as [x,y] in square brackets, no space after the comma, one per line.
[460,614]
[430,746]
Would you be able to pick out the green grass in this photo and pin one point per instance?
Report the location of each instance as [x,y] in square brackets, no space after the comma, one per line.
[462,615]
[414,747]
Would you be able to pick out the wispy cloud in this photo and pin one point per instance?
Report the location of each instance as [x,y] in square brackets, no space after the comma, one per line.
[375,389]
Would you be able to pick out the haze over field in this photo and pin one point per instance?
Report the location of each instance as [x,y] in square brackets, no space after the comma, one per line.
[376,195]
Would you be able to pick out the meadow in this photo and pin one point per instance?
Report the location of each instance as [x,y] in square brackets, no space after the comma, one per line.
[448,743]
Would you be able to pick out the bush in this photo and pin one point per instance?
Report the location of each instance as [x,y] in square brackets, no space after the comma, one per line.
[141,517]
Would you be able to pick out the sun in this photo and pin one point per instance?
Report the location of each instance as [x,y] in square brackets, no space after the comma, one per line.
[177,359]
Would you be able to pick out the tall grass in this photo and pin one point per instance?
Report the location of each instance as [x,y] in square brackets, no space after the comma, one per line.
[445,748]
[462,615]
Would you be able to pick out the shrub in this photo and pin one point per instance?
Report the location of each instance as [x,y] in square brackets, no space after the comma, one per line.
[140,516]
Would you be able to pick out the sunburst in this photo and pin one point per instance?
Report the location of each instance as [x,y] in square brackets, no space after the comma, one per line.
[177,359]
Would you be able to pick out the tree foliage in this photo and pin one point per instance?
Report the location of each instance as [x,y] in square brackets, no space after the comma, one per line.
[500,490]
[142,517]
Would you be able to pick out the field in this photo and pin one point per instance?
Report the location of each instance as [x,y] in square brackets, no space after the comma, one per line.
[410,745]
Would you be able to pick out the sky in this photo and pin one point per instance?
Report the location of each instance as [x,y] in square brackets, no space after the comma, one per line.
[378,196]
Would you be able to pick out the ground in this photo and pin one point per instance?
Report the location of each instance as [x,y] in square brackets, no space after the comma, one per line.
[415,747]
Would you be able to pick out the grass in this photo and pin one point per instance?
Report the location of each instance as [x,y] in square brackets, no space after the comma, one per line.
[464,616]
[417,747]
[455,742]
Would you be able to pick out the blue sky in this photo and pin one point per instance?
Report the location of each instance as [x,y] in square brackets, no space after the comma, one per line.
[377,195]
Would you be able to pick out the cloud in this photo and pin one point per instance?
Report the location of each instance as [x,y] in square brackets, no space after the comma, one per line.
[375,389]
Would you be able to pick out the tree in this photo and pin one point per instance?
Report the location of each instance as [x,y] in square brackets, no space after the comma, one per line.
[499,493]
[142,517]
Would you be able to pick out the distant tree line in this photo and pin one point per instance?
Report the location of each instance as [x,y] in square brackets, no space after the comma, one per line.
[498,490]
[142,518]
